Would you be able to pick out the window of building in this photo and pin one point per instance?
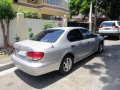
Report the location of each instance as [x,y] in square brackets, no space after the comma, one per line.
[51,17]
[54,2]
[33,1]
[15,0]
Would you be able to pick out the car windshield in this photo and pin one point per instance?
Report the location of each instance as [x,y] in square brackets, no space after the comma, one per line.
[48,35]
[108,24]
[118,23]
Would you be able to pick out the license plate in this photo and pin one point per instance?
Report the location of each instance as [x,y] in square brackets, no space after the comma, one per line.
[107,28]
[22,53]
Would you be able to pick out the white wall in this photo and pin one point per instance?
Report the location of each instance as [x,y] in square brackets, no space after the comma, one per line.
[13,32]
[37,26]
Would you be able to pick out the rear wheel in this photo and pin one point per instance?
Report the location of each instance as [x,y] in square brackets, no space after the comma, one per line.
[100,48]
[102,35]
[66,65]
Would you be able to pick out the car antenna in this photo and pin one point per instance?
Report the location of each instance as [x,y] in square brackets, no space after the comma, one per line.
[52,44]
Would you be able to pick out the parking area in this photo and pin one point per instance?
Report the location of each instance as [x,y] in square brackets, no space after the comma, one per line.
[97,72]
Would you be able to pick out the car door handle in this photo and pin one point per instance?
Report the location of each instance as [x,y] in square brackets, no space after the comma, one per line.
[88,41]
[72,46]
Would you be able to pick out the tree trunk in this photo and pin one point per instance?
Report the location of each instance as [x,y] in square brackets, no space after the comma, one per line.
[7,33]
[4,34]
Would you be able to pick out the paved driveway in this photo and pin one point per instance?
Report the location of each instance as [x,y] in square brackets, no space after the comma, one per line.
[98,72]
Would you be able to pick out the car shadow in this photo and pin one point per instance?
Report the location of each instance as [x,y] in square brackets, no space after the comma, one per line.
[45,80]
[110,61]
[111,38]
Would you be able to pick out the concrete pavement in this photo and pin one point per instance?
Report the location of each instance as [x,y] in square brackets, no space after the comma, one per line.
[97,72]
[5,62]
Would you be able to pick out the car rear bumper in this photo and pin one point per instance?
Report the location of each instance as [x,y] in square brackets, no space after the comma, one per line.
[34,69]
[109,34]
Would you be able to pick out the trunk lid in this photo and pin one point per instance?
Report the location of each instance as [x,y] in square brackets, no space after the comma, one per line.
[22,47]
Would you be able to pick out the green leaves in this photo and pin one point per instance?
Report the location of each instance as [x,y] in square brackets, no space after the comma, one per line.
[6,9]
[48,25]
[111,8]
[79,6]
[85,7]
[28,13]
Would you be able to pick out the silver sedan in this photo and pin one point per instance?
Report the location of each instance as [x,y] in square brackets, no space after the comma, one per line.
[55,49]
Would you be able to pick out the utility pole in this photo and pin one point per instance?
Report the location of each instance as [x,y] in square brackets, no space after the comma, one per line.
[90,18]
[95,17]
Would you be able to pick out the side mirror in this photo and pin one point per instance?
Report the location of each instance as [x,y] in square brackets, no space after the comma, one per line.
[94,35]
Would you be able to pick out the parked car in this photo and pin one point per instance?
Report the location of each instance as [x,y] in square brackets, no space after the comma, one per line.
[55,49]
[110,28]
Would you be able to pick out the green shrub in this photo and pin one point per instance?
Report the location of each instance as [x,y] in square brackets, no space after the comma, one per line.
[30,32]
[48,25]
[17,38]
[28,13]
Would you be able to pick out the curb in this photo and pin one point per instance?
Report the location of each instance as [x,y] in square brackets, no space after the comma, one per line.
[6,66]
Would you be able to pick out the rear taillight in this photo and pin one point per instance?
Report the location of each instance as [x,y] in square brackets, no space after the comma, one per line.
[115,27]
[35,55]
[100,27]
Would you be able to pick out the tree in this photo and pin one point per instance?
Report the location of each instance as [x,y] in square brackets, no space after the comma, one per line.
[110,8]
[79,6]
[6,15]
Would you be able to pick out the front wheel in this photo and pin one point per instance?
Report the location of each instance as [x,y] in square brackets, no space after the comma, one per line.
[66,65]
[100,48]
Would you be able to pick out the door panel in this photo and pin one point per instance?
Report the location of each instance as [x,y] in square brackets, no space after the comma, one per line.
[93,43]
[80,50]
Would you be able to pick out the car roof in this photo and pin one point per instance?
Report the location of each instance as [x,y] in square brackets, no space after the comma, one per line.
[111,21]
[67,28]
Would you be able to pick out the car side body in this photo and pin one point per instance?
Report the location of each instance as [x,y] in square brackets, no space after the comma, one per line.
[54,52]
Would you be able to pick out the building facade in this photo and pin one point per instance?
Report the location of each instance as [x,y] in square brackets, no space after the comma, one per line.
[45,8]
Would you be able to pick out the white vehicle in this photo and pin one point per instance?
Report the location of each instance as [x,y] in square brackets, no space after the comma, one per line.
[55,49]
[110,28]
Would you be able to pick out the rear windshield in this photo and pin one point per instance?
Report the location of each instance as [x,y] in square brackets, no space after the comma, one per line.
[108,24]
[118,23]
[48,35]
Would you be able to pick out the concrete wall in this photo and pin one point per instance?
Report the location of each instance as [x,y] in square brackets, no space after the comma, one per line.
[13,32]
[37,25]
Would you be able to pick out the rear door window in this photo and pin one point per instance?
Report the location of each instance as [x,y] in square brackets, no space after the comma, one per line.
[108,24]
[118,23]
[74,35]
[86,34]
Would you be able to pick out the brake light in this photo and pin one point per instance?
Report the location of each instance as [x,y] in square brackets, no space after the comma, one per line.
[100,27]
[35,55]
[115,26]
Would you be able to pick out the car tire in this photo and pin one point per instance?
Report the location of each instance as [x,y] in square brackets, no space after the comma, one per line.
[103,36]
[66,65]
[100,48]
